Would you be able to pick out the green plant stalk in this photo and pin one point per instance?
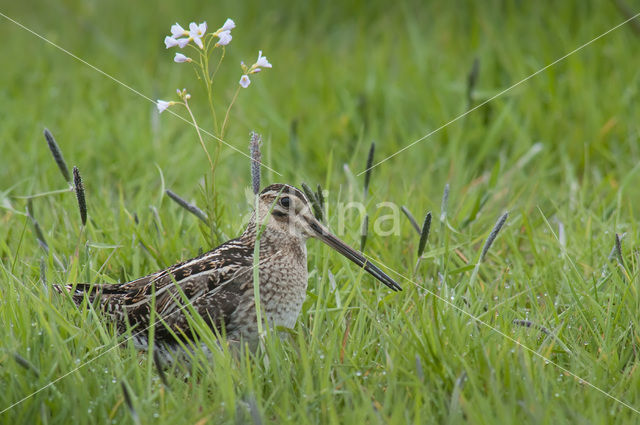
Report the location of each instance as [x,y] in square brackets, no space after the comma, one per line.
[226,116]
[195,123]
[256,272]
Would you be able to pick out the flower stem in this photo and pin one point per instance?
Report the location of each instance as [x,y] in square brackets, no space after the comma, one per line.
[208,82]
[226,116]
[219,62]
[195,123]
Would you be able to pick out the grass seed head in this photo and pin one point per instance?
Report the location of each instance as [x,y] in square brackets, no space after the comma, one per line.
[493,235]
[79,188]
[412,220]
[364,232]
[36,227]
[424,235]
[256,160]
[472,79]
[187,206]
[57,155]
[367,173]
[445,203]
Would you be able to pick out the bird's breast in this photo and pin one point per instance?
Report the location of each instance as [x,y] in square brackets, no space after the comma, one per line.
[283,287]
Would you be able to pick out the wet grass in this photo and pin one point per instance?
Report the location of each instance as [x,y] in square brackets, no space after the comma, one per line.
[560,153]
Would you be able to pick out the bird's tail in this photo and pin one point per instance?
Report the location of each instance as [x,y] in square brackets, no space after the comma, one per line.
[80,291]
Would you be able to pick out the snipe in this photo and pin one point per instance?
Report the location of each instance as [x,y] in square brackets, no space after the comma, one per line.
[218,285]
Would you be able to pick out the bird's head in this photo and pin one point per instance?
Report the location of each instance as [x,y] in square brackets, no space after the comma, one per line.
[284,210]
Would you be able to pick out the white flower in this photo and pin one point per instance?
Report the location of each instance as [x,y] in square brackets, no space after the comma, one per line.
[225,38]
[244,82]
[183,42]
[170,42]
[228,25]
[162,105]
[178,31]
[196,32]
[180,58]
[262,61]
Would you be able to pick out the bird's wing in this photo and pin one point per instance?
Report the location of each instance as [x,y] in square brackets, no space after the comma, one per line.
[212,283]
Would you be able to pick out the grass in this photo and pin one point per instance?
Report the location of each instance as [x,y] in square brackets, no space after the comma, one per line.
[559,152]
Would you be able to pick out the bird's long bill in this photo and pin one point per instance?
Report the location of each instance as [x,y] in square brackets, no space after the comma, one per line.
[325,236]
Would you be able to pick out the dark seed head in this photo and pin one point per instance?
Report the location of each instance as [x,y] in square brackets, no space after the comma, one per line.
[57,155]
[493,235]
[186,205]
[364,233]
[424,235]
[472,79]
[367,173]
[412,220]
[82,204]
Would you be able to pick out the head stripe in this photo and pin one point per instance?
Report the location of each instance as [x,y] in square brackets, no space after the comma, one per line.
[282,189]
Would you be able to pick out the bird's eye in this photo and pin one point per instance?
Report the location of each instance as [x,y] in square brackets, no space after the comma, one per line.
[285,201]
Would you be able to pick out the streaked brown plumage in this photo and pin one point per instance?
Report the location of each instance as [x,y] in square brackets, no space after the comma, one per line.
[219,284]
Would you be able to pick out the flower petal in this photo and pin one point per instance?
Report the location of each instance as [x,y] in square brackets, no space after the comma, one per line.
[244,82]
[170,42]
[193,27]
[228,25]
[225,38]
[202,28]
[198,42]
[177,30]
[180,58]
[183,42]
[262,61]
[162,105]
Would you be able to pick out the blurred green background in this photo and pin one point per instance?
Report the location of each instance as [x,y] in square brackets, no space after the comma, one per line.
[347,73]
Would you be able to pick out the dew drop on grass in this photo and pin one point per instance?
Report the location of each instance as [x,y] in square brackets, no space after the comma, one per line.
[114,380]
[358,373]
[156,414]
[557,395]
